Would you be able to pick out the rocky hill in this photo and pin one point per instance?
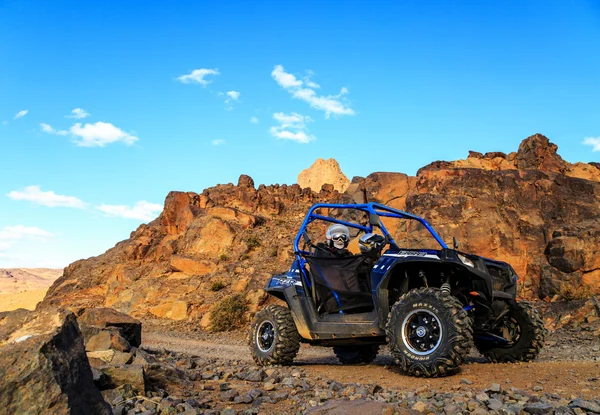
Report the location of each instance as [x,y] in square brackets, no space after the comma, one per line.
[530,208]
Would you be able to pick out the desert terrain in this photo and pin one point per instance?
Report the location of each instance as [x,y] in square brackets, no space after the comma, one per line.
[25,287]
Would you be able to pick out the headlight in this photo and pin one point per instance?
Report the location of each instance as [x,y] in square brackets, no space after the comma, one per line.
[466,261]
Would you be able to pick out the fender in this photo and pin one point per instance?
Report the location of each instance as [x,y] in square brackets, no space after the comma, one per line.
[384,270]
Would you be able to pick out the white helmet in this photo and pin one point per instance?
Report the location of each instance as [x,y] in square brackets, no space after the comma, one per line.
[337,236]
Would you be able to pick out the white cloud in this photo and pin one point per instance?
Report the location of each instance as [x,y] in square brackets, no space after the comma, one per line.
[286,80]
[305,91]
[299,136]
[11,235]
[594,142]
[292,118]
[254,120]
[48,129]
[5,122]
[35,195]
[100,134]
[142,210]
[197,76]
[231,97]
[21,114]
[234,95]
[78,113]
[217,142]
[292,127]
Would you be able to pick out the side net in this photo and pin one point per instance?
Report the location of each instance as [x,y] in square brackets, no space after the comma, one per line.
[341,284]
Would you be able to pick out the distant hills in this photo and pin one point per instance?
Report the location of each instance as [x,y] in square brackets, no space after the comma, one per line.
[14,280]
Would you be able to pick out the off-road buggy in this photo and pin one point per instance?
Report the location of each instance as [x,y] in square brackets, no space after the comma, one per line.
[428,305]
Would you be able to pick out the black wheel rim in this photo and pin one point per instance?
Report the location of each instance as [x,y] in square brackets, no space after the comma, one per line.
[265,336]
[421,332]
[510,329]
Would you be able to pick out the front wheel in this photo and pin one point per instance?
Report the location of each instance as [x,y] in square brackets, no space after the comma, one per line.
[355,355]
[429,333]
[524,332]
[274,339]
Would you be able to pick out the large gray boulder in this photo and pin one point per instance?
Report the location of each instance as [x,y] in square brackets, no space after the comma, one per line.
[43,365]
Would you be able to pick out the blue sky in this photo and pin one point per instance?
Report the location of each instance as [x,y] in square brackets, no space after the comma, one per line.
[107,106]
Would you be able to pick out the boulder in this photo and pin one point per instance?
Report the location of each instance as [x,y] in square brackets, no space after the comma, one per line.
[125,375]
[100,357]
[537,152]
[245,181]
[43,366]
[573,253]
[180,210]
[209,236]
[93,319]
[109,338]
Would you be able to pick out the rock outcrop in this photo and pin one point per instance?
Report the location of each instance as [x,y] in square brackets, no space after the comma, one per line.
[230,236]
[572,264]
[323,172]
[535,153]
[529,208]
[43,366]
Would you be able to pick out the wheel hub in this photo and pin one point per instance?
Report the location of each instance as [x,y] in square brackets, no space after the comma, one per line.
[421,332]
[265,336]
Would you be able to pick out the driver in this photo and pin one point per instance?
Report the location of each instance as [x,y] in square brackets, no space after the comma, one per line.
[337,239]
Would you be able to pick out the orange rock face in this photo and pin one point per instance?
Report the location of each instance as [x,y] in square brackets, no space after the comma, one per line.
[323,172]
[190,266]
[168,267]
[529,208]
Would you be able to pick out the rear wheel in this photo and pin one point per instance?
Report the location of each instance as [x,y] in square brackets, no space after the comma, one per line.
[354,355]
[429,333]
[274,339]
[524,331]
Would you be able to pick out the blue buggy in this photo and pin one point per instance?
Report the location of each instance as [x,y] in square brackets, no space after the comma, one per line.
[429,305]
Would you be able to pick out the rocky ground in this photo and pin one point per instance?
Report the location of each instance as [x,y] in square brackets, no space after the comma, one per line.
[215,374]
[101,361]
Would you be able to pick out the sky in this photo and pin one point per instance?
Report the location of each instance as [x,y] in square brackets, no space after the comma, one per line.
[107,106]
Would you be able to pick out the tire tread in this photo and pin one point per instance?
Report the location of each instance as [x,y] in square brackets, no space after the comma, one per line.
[528,352]
[287,341]
[448,362]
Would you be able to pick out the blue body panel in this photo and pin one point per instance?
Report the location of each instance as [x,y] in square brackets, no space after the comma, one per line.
[293,276]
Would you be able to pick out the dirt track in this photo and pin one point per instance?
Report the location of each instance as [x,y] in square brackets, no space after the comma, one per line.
[565,367]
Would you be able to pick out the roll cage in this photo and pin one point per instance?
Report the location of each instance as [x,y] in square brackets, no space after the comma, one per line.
[374,210]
